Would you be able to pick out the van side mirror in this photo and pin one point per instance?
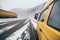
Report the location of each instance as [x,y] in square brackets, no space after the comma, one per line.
[36,16]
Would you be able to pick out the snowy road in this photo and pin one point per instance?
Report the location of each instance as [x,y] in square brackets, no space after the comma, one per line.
[12,29]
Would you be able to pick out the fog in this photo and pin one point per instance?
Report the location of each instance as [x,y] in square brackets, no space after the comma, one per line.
[24,4]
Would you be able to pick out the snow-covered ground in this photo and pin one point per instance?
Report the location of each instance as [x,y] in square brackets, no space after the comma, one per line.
[17,33]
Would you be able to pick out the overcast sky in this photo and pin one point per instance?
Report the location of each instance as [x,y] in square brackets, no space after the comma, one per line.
[25,4]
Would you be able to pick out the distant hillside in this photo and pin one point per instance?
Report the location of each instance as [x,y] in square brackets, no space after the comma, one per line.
[28,12]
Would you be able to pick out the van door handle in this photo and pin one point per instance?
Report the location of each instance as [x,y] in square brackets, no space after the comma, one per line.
[41,30]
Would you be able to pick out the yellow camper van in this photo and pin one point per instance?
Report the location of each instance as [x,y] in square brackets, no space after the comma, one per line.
[48,26]
[7,14]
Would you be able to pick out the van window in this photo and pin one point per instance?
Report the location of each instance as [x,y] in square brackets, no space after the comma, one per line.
[43,15]
[54,18]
